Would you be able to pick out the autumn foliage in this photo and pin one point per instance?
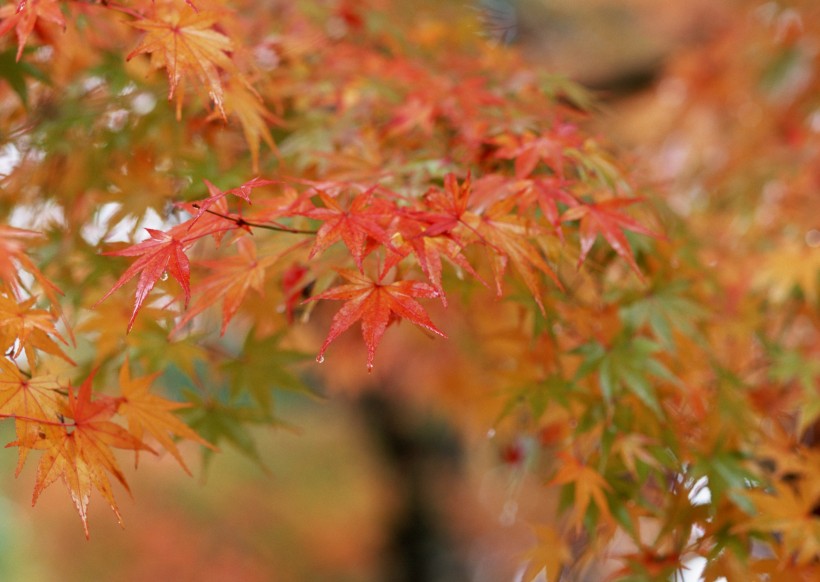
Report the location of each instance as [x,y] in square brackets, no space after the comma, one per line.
[197,192]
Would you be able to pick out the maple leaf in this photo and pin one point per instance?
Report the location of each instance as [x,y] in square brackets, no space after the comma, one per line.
[226,419]
[651,563]
[429,250]
[603,218]
[413,112]
[149,412]
[243,102]
[13,243]
[790,265]
[633,448]
[23,18]
[589,486]
[630,365]
[261,366]
[446,207]
[548,556]
[28,328]
[28,401]
[184,42]
[232,278]
[528,149]
[79,452]
[507,236]
[376,304]
[162,253]
[295,287]
[790,513]
[352,225]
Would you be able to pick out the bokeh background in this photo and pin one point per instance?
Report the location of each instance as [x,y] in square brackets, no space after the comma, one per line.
[374,481]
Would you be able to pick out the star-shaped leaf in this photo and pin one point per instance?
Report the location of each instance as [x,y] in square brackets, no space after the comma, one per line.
[186,44]
[147,412]
[376,304]
[605,219]
[353,225]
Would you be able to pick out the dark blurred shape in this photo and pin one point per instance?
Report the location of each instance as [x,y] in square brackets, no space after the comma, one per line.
[424,456]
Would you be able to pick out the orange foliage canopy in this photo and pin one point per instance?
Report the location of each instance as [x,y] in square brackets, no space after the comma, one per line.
[407,160]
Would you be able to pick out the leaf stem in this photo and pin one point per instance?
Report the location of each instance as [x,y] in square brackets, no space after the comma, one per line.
[37,420]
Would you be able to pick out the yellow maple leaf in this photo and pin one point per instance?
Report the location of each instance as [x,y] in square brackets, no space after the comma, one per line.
[549,554]
[790,265]
[788,513]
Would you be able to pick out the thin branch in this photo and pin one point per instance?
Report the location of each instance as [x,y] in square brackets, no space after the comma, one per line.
[240,222]
[113,6]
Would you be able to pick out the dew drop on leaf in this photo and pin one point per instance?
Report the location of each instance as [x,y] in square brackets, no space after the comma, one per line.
[320,358]
[164,276]
[491,433]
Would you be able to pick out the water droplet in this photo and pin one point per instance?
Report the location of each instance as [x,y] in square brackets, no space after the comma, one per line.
[508,514]
[164,276]
[491,433]
[813,238]
[320,358]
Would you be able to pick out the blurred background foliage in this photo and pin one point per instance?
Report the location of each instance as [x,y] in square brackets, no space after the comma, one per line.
[716,102]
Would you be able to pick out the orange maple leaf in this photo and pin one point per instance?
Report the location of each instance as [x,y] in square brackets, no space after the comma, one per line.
[244,103]
[507,236]
[589,486]
[789,513]
[29,329]
[183,41]
[376,304]
[79,450]
[13,261]
[28,400]
[149,412]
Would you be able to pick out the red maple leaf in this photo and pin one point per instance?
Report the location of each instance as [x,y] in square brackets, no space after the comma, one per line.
[23,17]
[352,225]
[429,250]
[528,150]
[603,218]
[162,253]
[376,304]
[231,279]
[446,207]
